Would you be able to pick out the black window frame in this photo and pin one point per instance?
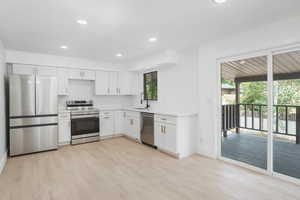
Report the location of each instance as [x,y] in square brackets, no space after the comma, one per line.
[153,75]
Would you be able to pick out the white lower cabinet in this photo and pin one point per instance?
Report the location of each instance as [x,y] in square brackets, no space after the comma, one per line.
[176,135]
[120,117]
[132,125]
[165,134]
[64,128]
[107,123]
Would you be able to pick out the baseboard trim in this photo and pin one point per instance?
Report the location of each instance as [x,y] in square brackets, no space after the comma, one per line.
[3,160]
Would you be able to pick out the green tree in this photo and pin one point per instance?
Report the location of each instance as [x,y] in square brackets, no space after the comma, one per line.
[254,93]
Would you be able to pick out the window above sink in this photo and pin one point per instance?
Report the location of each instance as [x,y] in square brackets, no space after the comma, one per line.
[150,86]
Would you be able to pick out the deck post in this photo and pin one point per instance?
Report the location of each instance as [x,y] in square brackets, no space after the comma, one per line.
[298,125]
[237,110]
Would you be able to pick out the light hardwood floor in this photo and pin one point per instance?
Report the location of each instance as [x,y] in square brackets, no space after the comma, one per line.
[121,169]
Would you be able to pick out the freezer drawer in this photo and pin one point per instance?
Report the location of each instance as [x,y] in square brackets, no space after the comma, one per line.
[32,121]
[33,139]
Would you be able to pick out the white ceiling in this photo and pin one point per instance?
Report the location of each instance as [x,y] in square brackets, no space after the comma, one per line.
[125,25]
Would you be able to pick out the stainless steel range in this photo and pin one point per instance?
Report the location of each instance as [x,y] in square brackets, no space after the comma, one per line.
[84,122]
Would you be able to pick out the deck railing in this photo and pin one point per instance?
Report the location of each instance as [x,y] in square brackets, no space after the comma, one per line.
[254,117]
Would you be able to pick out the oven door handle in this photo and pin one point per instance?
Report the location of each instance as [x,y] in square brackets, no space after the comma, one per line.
[84,116]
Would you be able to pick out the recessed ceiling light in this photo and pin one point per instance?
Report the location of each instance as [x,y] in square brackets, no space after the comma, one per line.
[64,47]
[219,1]
[82,21]
[119,55]
[242,62]
[152,39]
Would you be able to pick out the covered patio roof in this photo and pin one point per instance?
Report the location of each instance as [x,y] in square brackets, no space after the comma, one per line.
[286,66]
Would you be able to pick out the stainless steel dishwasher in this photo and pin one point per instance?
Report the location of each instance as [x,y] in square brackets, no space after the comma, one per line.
[147,133]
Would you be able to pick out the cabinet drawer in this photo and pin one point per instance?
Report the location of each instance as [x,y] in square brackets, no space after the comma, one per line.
[106,114]
[165,119]
[132,114]
[64,115]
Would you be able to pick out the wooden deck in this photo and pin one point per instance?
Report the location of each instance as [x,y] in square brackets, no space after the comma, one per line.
[252,149]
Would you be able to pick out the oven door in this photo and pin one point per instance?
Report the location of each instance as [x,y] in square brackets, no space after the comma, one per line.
[84,125]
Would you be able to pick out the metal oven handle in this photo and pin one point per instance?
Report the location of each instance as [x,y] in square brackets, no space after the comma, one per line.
[83,116]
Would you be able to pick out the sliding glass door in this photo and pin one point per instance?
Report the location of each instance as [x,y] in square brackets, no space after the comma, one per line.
[260,112]
[244,111]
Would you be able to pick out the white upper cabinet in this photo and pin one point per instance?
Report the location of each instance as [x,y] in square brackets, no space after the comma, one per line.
[116,83]
[113,83]
[46,71]
[102,83]
[63,82]
[82,74]
[33,70]
[128,83]
[23,69]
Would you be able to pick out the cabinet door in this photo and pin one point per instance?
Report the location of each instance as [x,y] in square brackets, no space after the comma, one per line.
[23,69]
[106,125]
[133,128]
[124,86]
[74,74]
[119,122]
[130,127]
[64,131]
[128,83]
[136,129]
[113,83]
[134,84]
[102,83]
[127,126]
[87,75]
[63,82]
[158,134]
[170,142]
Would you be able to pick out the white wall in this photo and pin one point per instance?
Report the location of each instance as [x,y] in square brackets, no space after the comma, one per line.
[3,148]
[274,35]
[177,84]
[85,90]
[56,61]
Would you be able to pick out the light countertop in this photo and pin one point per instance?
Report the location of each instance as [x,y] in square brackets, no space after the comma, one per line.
[159,112]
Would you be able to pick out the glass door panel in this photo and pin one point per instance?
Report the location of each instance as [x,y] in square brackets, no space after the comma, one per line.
[244,111]
[286,117]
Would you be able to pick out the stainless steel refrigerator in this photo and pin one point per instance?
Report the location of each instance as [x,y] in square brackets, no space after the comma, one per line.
[33,121]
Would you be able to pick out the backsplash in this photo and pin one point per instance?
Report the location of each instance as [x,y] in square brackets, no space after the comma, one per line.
[85,90]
